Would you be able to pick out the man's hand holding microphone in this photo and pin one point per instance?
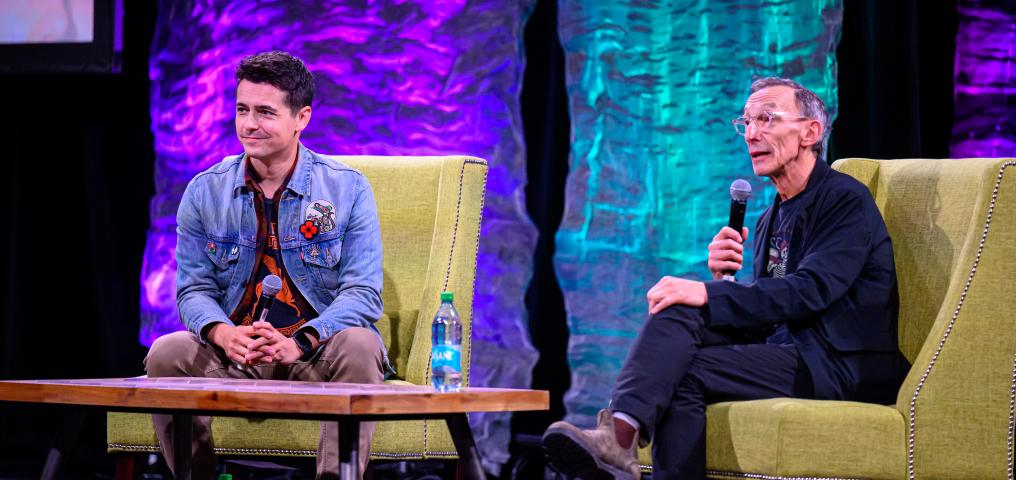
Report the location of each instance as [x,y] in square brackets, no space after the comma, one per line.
[726,255]
[726,252]
[260,342]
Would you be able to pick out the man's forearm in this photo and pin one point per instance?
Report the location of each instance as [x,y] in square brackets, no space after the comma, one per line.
[354,307]
[211,332]
[198,311]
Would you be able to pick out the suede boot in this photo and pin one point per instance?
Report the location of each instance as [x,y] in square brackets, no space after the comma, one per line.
[591,454]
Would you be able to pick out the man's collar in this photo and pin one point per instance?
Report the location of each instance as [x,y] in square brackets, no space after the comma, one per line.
[299,182]
[299,177]
[818,172]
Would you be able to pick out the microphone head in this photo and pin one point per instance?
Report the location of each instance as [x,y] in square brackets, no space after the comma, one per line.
[740,190]
[271,285]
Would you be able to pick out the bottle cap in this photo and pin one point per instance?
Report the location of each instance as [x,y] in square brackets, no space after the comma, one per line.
[446,296]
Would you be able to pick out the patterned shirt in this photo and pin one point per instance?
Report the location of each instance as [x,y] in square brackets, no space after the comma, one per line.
[290,311]
[779,252]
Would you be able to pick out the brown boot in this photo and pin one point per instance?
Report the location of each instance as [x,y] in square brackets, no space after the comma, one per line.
[591,454]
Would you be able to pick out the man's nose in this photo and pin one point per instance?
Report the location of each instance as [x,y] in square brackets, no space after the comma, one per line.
[250,123]
[752,132]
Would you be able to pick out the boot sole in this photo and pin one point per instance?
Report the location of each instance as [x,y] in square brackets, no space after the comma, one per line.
[570,456]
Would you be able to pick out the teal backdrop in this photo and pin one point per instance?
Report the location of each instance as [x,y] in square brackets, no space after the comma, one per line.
[652,88]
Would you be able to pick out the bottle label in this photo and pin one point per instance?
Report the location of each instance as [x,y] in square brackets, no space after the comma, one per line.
[446,358]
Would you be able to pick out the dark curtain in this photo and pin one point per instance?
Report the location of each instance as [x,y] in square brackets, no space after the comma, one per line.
[78,163]
[895,79]
[547,130]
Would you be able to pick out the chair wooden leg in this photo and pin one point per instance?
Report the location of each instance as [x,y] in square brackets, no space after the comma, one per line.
[452,470]
[125,467]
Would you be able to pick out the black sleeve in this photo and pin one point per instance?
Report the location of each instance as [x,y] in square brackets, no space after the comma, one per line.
[837,249]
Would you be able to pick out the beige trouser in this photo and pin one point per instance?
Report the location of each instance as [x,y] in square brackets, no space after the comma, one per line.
[353,355]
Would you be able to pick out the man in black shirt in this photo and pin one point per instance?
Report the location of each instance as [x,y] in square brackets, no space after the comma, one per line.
[818,321]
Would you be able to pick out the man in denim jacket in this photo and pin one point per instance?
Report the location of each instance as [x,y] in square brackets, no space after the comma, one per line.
[278,209]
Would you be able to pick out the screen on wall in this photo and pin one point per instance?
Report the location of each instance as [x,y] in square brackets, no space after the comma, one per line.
[61,36]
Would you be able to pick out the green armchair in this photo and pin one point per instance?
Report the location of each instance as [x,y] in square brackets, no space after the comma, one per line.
[429,209]
[953,225]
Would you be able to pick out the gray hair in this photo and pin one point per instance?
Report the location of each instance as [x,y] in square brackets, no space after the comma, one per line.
[807,102]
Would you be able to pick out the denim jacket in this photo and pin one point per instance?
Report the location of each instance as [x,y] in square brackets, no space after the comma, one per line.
[337,269]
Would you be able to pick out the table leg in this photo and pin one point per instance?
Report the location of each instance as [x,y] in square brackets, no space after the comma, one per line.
[182,439]
[349,448]
[462,435]
[65,444]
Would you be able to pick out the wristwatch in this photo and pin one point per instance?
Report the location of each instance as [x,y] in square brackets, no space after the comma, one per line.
[303,343]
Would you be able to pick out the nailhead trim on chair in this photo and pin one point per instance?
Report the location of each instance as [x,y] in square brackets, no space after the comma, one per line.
[1012,415]
[948,330]
[760,476]
[265,451]
[458,209]
[483,199]
[278,451]
[451,256]
[399,456]
[134,448]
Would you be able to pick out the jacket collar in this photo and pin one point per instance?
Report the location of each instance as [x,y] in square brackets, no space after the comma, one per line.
[818,173]
[806,197]
[299,181]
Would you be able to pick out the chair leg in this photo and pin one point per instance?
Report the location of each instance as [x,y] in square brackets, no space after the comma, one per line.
[452,470]
[125,467]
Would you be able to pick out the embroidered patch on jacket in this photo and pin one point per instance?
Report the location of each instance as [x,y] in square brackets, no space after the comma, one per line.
[210,247]
[322,213]
[309,229]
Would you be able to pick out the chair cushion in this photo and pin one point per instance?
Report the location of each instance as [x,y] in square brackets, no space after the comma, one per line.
[802,439]
[785,437]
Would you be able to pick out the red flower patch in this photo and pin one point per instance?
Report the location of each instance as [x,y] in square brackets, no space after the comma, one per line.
[308,229]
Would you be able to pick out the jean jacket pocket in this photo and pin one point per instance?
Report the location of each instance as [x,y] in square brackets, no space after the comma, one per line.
[322,259]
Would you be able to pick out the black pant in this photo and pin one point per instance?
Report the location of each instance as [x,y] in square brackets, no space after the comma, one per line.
[677,366]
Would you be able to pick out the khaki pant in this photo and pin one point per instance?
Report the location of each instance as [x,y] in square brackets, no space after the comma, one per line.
[353,355]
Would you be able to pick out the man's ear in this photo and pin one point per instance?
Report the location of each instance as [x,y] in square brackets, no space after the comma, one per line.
[811,134]
[302,118]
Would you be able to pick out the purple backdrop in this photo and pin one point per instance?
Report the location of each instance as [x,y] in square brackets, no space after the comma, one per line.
[415,77]
[985,80]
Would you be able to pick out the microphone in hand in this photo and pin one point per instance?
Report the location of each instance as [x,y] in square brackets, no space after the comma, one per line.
[270,287]
[740,190]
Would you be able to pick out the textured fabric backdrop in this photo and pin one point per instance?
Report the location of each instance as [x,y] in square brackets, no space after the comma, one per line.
[394,78]
[985,81]
[652,88]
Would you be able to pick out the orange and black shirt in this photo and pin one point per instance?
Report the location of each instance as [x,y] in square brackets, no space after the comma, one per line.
[290,311]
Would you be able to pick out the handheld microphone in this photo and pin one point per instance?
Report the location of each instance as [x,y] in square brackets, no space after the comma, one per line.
[270,287]
[740,190]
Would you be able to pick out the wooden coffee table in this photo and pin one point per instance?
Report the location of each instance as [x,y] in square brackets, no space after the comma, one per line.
[345,403]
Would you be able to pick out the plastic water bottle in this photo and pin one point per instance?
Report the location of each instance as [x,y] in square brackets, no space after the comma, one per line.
[446,349]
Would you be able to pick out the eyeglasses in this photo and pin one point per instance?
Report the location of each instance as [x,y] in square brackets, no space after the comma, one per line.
[763,121]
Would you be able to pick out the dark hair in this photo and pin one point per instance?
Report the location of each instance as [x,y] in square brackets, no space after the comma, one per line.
[280,70]
[807,102]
